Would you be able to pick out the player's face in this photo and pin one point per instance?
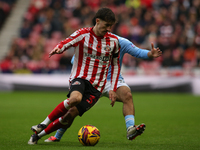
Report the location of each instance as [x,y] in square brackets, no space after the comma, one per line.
[103,27]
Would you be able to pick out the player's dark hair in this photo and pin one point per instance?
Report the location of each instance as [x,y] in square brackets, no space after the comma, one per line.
[105,14]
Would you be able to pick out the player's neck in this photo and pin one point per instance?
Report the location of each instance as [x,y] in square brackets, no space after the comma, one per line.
[95,31]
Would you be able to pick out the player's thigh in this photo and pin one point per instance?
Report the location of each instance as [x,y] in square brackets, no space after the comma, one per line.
[76,95]
[90,97]
[123,93]
[87,103]
[77,89]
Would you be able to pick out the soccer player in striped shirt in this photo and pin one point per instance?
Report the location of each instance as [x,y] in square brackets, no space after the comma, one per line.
[95,50]
[123,92]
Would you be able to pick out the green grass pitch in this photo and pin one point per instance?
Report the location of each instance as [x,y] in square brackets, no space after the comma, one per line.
[172,122]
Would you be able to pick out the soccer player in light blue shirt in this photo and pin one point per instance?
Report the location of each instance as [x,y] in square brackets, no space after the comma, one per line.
[123,92]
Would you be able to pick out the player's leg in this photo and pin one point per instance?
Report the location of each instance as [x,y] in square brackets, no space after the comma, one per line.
[57,112]
[57,137]
[62,122]
[82,107]
[75,95]
[89,99]
[55,125]
[124,95]
[60,110]
[59,133]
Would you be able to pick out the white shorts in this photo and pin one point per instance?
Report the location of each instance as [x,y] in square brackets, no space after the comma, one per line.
[108,85]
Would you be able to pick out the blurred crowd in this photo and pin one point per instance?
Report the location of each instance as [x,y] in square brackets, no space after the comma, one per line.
[5,9]
[172,25]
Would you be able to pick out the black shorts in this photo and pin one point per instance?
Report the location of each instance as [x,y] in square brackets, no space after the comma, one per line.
[90,94]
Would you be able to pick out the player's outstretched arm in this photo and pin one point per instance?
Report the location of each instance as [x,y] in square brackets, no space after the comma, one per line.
[155,52]
[112,97]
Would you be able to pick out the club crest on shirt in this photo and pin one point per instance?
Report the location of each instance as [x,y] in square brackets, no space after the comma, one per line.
[107,48]
[76,83]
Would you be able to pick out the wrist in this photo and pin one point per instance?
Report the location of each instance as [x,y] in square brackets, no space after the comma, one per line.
[150,54]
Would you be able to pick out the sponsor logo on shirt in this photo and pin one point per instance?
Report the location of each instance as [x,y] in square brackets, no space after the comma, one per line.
[102,58]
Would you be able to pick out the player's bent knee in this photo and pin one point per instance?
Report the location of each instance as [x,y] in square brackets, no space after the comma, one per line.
[128,97]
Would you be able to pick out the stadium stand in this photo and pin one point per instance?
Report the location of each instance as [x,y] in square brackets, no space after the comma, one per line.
[11,26]
[171,25]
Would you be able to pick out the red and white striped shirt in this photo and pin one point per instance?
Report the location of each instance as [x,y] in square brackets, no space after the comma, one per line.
[93,55]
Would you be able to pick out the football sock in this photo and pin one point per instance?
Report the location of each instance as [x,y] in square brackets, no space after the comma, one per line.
[41,134]
[47,121]
[55,125]
[130,121]
[60,133]
[60,110]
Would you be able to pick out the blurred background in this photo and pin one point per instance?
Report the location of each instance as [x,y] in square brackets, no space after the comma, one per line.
[30,29]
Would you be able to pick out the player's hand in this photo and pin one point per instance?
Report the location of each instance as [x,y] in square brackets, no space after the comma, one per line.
[112,97]
[56,50]
[155,52]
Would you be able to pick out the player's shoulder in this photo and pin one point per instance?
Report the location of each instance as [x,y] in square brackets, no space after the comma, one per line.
[82,30]
[123,39]
[111,35]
